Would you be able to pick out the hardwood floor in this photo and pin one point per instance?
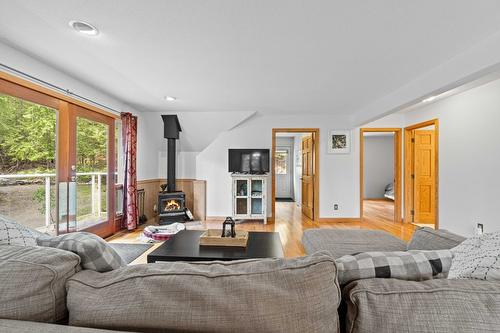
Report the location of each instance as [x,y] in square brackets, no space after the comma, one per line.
[378,209]
[291,223]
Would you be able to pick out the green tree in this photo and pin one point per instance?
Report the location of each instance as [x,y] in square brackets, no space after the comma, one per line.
[27,135]
[28,138]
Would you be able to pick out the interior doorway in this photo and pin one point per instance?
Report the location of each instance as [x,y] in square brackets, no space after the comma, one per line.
[295,173]
[380,174]
[421,173]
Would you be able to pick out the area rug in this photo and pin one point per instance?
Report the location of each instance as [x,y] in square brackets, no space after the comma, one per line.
[130,252]
[284,200]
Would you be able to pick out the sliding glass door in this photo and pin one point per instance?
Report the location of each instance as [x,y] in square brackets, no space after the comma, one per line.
[57,163]
[28,123]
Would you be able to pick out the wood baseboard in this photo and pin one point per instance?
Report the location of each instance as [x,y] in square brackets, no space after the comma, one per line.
[339,219]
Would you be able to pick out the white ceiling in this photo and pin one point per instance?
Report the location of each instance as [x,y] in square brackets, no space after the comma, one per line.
[270,56]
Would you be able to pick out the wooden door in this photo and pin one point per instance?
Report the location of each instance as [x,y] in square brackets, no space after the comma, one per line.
[308,176]
[424,188]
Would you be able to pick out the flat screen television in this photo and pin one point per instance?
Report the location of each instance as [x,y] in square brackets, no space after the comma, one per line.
[248,160]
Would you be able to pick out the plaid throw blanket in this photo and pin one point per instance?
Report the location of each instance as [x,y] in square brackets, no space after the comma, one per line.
[410,265]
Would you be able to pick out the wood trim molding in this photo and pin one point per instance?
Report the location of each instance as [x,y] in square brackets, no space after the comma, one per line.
[148,181]
[408,165]
[49,92]
[397,169]
[316,140]
[422,124]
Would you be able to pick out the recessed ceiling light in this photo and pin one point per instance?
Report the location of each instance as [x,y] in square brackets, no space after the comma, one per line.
[170,98]
[429,99]
[84,28]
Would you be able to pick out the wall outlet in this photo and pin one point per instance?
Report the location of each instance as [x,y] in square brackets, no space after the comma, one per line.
[335,206]
[479,229]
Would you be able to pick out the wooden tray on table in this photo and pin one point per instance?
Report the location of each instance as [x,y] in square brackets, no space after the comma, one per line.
[212,237]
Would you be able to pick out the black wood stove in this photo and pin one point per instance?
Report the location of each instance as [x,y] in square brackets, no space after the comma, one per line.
[171,203]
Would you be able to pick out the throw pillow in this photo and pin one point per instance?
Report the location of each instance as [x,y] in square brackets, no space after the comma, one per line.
[425,238]
[410,265]
[94,252]
[12,233]
[477,258]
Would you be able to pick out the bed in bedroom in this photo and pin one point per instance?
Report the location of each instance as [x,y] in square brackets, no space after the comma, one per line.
[389,191]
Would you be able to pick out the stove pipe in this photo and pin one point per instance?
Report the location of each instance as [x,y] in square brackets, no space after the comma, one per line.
[171,129]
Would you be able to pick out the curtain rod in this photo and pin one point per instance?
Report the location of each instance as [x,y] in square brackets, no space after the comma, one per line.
[53,86]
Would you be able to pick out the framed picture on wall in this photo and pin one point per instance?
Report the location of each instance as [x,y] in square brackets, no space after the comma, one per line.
[339,142]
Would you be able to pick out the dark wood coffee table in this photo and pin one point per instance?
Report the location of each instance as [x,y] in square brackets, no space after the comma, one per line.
[185,246]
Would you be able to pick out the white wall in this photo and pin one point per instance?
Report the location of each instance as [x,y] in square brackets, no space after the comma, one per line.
[469,158]
[469,186]
[337,172]
[186,164]
[378,165]
[148,148]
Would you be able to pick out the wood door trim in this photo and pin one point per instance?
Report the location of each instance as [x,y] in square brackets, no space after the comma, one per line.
[30,95]
[41,89]
[316,140]
[409,161]
[397,168]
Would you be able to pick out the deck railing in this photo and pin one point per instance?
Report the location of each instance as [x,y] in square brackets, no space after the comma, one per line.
[96,192]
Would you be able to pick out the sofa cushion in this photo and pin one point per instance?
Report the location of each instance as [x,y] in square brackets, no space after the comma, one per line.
[18,326]
[12,233]
[33,282]
[269,295]
[341,242]
[94,252]
[390,305]
[425,238]
[408,265]
[477,258]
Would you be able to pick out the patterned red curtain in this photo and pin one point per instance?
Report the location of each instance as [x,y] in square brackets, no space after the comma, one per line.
[129,143]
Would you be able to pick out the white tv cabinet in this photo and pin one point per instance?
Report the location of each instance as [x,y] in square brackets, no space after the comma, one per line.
[249,193]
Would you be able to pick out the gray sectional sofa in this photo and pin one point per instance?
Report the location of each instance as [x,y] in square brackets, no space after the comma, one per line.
[45,290]
[47,286]
[391,305]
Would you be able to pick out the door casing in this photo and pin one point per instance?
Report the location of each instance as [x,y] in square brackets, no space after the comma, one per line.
[397,169]
[316,138]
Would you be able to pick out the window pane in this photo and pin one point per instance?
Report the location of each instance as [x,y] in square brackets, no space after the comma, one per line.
[91,172]
[281,162]
[28,163]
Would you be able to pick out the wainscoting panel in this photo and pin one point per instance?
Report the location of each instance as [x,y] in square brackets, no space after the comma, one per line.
[195,191]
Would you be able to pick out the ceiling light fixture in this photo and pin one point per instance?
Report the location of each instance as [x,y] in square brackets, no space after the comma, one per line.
[170,98]
[429,99]
[84,28]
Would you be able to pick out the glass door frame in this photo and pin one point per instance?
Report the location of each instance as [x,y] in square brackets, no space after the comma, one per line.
[67,156]
[68,109]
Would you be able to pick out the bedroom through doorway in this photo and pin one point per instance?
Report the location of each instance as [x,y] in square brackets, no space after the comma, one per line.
[380,175]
